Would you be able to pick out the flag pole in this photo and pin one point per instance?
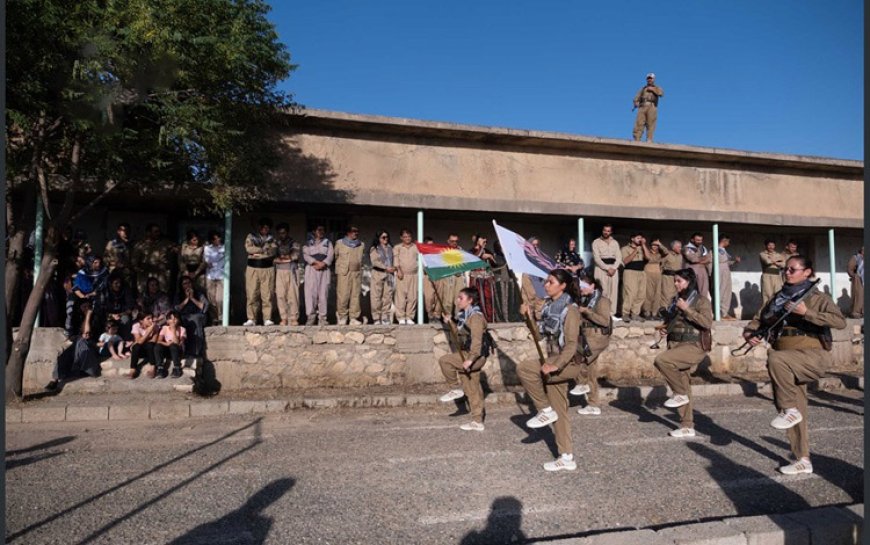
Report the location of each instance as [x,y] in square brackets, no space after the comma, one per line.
[451,327]
[529,323]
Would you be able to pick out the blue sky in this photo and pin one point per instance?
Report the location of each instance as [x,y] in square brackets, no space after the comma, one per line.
[770,76]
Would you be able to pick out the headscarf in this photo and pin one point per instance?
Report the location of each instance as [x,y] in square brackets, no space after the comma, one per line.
[553,317]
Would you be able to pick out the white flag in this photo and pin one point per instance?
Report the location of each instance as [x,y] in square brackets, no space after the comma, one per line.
[523,257]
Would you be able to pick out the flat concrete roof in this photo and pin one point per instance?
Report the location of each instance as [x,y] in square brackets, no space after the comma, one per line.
[312,119]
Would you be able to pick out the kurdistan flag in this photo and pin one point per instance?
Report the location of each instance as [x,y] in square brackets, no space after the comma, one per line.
[441,260]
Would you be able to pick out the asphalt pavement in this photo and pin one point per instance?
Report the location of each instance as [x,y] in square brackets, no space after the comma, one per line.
[409,475]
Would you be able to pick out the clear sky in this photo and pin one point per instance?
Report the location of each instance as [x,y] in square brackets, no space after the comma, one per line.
[772,75]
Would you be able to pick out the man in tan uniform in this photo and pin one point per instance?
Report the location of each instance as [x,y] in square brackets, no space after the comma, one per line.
[800,352]
[605,256]
[287,276]
[671,263]
[772,264]
[406,259]
[855,268]
[449,286]
[260,273]
[647,102]
[652,272]
[349,253]
[697,257]
[791,249]
[633,280]
[429,291]
[151,258]
[725,290]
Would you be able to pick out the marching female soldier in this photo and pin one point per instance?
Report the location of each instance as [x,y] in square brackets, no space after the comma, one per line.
[462,369]
[799,354]
[596,326]
[546,383]
[688,322]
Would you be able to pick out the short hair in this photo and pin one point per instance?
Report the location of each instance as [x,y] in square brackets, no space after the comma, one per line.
[472,294]
[214,233]
[264,222]
[637,234]
[350,228]
[696,234]
[191,233]
[452,235]
[769,241]
[428,239]
[724,237]
[404,231]
[792,241]
[607,225]
[125,225]
[283,225]
[805,262]
[674,243]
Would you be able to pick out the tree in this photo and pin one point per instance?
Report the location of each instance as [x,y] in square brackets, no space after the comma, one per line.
[143,95]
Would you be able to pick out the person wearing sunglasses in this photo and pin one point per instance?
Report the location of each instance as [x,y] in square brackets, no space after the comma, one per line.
[383,278]
[800,351]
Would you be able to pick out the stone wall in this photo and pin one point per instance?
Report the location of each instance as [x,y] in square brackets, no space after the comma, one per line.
[248,358]
[347,356]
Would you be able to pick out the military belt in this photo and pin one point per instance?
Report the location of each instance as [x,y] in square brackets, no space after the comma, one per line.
[683,338]
[634,266]
[669,273]
[795,332]
[261,263]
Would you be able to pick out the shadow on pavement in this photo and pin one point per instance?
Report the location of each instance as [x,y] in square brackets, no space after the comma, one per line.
[848,477]
[504,524]
[247,524]
[48,444]
[11,464]
[536,435]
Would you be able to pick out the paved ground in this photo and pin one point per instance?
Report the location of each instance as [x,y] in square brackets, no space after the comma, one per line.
[407,475]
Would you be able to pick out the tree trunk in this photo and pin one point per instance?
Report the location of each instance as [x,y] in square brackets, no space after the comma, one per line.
[17,227]
[21,345]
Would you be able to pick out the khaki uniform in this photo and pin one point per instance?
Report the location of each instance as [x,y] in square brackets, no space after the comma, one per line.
[796,359]
[151,259]
[652,272]
[692,258]
[647,112]
[260,275]
[471,338]
[725,288]
[348,278]
[597,326]
[633,281]
[552,390]
[287,281]
[406,259]
[605,255]
[671,263]
[448,288]
[857,309]
[772,264]
[429,298]
[191,261]
[382,286]
[684,352]
[116,255]
[317,282]
[530,296]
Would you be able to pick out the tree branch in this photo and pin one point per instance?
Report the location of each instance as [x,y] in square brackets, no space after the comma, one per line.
[110,185]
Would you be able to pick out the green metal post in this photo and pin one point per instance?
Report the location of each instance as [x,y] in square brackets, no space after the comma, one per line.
[717,314]
[228,245]
[581,236]
[420,302]
[38,243]
[833,255]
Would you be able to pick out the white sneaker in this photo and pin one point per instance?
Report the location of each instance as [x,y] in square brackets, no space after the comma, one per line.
[580,390]
[409,321]
[562,463]
[677,401]
[617,319]
[543,418]
[682,432]
[355,322]
[472,426]
[451,395]
[801,466]
[268,323]
[787,419]
[342,321]
[249,323]
[589,410]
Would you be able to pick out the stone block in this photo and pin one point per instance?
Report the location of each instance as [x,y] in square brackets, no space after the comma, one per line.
[87,414]
[422,369]
[13,416]
[209,408]
[413,400]
[829,525]
[247,407]
[389,341]
[727,335]
[336,337]
[375,338]
[170,410]
[299,339]
[43,414]
[635,332]
[321,337]
[770,530]
[225,347]
[505,334]
[620,332]
[254,339]
[414,340]
[440,338]
[629,537]
[128,412]
[320,403]
[354,337]
[374,368]
[705,533]
[844,334]
[277,405]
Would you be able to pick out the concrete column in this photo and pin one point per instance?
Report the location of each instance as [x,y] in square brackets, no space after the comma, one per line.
[832,254]
[581,236]
[228,245]
[716,299]
[420,302]
[38,243]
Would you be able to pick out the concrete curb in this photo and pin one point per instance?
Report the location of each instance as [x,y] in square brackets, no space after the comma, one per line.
[823,525]
[195,408]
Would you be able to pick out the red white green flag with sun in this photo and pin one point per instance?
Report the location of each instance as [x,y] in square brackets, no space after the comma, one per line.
[441,261]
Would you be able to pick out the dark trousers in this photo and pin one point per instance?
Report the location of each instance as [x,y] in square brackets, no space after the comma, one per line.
[173,352]
[144,352]
[195,326]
